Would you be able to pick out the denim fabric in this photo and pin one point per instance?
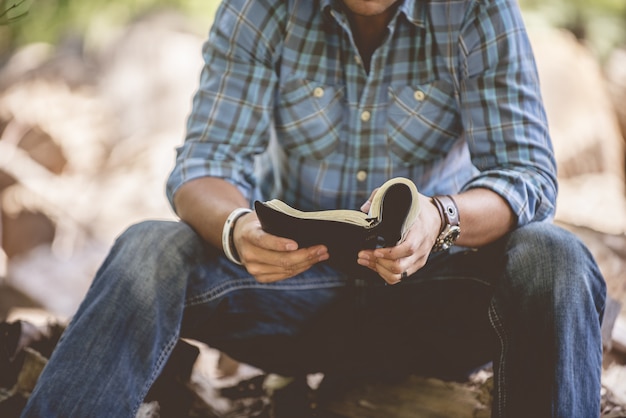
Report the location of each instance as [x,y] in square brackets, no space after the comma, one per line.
[531,302]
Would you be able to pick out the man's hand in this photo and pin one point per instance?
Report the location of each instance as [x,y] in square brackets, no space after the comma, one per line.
[270,258]
[484,217]
[205,203]
[411,254]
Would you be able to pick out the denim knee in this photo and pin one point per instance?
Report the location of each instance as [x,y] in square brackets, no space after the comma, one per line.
[162,244]
[547,264]
[129,321]
[159,237]
[546,312]
[149,258]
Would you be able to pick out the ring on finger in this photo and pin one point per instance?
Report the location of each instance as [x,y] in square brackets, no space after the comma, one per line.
[404,275]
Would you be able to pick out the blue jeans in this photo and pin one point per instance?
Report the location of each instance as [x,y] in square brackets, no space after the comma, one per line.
[532,303]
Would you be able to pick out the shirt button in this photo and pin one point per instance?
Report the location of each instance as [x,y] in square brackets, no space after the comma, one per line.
[365,116]
[357,59]
[361,175]
[419,95]
[318,92]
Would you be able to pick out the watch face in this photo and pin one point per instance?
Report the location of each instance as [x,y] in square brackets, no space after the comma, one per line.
[454,233]
[448,237]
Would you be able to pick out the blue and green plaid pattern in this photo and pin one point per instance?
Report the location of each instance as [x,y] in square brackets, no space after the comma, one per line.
[451,101]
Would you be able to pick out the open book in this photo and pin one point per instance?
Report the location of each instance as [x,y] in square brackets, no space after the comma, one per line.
[345,232]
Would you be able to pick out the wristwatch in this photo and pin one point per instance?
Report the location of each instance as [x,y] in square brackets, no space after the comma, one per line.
[451,222]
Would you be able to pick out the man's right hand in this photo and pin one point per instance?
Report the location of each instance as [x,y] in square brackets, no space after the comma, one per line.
[270,258]
[205,203]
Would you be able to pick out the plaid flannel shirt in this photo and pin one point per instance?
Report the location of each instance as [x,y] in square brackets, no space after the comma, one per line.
[451,100]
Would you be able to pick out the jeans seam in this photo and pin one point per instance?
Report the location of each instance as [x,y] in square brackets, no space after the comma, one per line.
[499,377]
[233,285]
[163,356]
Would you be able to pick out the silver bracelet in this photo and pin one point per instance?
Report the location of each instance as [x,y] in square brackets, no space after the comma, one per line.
[228,243]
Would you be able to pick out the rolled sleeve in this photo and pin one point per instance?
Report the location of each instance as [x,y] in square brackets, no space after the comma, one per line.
[230,119]
[505,122]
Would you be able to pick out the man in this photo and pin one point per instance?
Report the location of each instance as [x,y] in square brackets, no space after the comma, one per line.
[353,92]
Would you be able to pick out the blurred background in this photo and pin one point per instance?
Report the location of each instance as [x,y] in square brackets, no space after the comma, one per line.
[94,96]
[93,101]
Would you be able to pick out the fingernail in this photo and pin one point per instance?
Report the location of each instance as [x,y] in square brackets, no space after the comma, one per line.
[291,247]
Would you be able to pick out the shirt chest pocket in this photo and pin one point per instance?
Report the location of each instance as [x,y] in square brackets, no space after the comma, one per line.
[309,117]
[423,121]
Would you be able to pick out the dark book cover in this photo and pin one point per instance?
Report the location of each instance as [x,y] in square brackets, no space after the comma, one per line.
[345,231]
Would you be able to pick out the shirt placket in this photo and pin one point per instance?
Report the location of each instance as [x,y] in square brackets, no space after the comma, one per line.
[367,114]
[355,173]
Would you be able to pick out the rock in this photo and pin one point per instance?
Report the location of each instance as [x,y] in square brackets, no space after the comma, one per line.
[412,397]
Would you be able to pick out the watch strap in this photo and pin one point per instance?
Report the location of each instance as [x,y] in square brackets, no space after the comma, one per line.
[450,222]
[447,210]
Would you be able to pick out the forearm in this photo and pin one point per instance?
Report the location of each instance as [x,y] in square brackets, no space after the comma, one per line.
[484,216]
[205,203]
